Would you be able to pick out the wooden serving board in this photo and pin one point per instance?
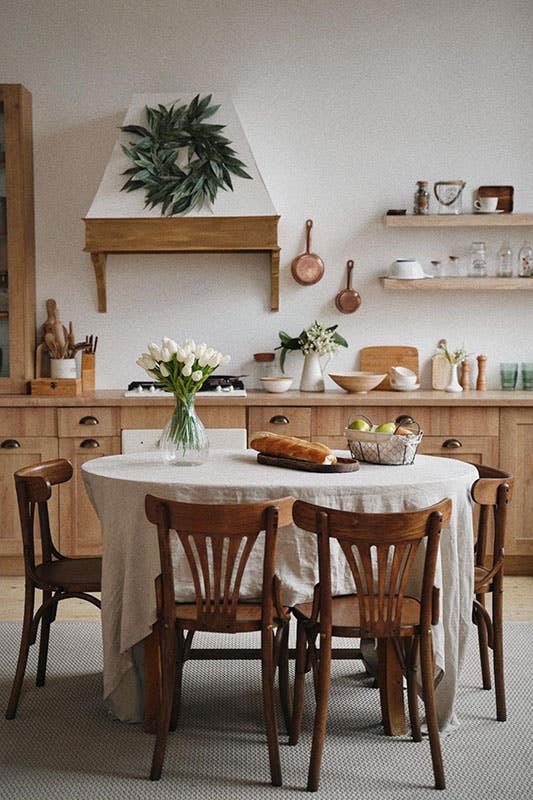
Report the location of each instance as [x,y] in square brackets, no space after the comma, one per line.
[342,465]
[440,371]
[379,360]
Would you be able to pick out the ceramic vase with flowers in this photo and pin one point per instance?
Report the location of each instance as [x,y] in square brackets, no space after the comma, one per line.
[316,342]
[182,370]
[454,358]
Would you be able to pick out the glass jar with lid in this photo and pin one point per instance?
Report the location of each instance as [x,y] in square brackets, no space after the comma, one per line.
[478,260]
[421,200]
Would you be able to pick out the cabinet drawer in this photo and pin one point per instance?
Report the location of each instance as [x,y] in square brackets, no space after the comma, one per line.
[88,422]
[285,420]
[27,422]
[477,449]
[434,420]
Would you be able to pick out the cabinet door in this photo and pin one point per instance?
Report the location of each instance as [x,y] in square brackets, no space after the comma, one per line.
[17,256]
[516,456]
[16,453]
[285,420]
[81,533]
[477,449]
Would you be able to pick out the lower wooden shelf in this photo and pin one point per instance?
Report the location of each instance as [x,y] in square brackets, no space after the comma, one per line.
[459,284]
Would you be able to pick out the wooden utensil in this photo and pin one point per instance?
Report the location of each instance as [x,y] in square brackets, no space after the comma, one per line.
[380,359]
[50,342]
[307,268]
[348,300]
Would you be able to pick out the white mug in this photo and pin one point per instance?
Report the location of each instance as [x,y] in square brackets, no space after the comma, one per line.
[486,203]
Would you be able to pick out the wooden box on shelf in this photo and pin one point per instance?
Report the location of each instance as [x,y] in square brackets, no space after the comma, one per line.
[56,387]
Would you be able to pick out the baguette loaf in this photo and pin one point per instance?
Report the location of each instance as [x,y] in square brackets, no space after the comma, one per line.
[273,444]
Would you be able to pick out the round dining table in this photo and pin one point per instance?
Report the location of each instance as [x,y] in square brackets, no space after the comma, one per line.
[117,486]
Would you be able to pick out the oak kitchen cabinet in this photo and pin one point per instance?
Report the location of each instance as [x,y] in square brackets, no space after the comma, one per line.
[481,427]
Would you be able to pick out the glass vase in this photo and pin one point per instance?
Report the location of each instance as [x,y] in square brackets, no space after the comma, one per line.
[184,439]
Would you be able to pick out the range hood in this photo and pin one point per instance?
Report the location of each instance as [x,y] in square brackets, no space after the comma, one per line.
[243,220]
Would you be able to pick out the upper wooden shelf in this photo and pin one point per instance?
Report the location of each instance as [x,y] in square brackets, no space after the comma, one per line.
[457,220]
[181,235]
[468,284]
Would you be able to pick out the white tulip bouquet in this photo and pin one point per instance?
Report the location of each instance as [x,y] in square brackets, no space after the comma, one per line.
[182,370]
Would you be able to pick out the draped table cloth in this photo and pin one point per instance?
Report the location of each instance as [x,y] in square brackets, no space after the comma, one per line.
[117,486]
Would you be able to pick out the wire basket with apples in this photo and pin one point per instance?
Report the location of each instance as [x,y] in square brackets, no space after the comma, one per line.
[393,443]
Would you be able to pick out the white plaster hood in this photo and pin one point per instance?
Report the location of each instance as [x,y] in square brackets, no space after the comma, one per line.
[243,220]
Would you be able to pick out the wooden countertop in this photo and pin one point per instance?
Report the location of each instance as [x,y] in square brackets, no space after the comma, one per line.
[115,397]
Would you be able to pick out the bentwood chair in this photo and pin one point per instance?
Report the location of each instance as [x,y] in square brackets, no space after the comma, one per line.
[380,550]
[217,541]
[57,576]
[492,494]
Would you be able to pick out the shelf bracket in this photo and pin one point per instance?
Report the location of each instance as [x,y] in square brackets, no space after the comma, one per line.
[99,264]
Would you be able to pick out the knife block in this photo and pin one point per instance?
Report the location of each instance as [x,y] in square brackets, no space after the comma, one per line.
[87,372]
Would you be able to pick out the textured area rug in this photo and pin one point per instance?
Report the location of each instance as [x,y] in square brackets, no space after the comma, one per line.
[63,744]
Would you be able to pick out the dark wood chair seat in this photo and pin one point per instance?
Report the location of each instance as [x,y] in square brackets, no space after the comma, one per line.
[217,541]
[72,574]
[57,576]
[379,550]
[492,493]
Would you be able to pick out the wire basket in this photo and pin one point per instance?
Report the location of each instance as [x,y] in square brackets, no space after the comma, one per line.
[394,449]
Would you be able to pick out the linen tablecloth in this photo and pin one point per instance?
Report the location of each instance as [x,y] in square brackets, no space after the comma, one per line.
[117,486]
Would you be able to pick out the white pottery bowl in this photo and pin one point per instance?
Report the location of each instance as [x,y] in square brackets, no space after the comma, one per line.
[277,383]
[407,269]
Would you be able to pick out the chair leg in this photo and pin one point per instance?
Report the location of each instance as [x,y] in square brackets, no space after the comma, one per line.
[168,673]
[283,676]
[299,684]
[46,621]
[483,643]
[25,643]
[497,644]
[411,658]
[178,679]
[428,687]
[267,676]
[321,713]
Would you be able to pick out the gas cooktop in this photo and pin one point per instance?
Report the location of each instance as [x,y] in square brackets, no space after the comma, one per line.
[214,386]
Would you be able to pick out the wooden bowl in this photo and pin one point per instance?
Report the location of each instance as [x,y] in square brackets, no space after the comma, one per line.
[357,382]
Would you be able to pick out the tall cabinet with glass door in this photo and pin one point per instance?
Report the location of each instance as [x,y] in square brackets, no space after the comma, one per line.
[17,248]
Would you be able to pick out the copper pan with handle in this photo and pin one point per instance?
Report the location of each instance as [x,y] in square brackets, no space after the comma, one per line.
[307,268]
[348,300]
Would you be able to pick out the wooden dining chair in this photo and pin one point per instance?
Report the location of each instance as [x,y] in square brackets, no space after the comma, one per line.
[57,576]
[217,541]
[380,550]
[492,494]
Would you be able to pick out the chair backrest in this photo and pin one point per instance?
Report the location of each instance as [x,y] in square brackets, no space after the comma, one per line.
[34,489]
[138,440]
[217,540]
[380,550]
[492,492]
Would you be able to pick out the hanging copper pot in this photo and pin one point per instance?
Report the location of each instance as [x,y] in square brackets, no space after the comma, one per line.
[307,268]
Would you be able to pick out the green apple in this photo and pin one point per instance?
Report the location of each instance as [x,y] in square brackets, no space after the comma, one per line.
[359,425]
[387,427]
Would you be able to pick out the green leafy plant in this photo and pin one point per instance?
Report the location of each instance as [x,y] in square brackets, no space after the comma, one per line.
[179,160]
[315,339]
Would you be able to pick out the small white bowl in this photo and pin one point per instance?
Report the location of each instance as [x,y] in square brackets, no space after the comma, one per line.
[407,269]
[277,383]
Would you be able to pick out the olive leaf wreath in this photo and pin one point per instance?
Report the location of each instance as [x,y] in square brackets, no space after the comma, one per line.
[181,131]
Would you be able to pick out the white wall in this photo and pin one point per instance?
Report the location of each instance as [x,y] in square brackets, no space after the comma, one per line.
[345,105]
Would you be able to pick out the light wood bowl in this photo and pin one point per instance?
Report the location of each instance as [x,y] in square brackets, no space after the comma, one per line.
[357,382]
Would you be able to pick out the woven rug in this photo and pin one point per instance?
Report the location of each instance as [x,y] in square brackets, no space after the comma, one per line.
[63,744]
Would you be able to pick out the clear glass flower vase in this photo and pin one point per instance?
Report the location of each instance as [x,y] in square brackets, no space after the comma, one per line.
[184,439]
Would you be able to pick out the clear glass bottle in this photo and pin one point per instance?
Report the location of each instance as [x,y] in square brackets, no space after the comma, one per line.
[525,261]
[504,261]
[421,201]
[478,260]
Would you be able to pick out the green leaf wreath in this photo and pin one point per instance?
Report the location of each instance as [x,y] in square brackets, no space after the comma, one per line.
[179,160]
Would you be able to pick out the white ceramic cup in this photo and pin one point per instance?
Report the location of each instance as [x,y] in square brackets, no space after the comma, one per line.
[486,203]
[402,378]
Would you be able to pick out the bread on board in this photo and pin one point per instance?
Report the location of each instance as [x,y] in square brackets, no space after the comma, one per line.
[273,444]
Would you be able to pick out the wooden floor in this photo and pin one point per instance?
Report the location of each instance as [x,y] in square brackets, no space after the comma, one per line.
[518,601]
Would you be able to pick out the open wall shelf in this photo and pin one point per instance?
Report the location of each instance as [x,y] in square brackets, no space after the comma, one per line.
[459,284]
[457,220]
[181,235]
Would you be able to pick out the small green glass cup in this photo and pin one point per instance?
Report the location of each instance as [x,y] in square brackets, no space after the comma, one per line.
[527,376]
[508,375]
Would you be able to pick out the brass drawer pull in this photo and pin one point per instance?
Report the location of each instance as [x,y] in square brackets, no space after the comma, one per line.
[90,420]
[10,444]
[452,444]
[279,419]
[90,443]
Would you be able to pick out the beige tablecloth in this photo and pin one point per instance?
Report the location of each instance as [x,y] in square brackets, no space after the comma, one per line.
[117,486]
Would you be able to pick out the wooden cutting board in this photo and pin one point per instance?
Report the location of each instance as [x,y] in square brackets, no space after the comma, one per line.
[379,359]
[440,371]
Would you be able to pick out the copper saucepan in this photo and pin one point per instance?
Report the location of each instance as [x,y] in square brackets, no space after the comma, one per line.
[348,300]
[307,268]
